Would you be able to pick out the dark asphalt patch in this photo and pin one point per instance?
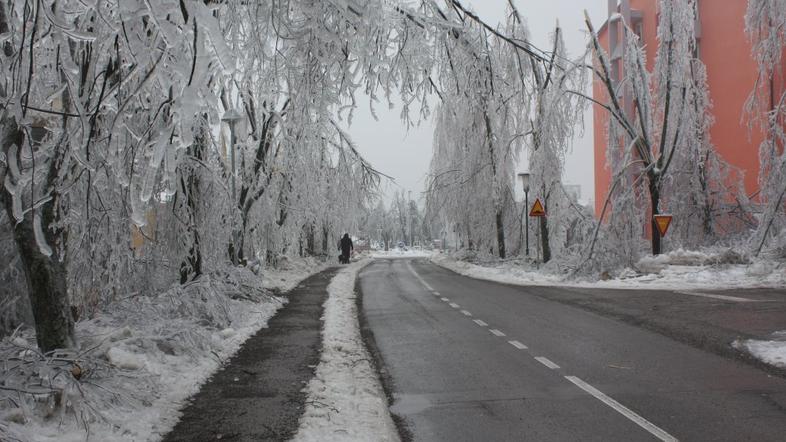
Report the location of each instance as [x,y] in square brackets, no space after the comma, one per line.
[258,395]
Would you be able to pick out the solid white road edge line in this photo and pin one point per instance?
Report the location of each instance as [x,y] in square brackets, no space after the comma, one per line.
[623,410]
[425,284]
[466,313]
[480,323]
[721,297]
[546,362]
[496,332]
[518,345]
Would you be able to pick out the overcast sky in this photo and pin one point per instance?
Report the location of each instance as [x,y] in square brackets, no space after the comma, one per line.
[405,155]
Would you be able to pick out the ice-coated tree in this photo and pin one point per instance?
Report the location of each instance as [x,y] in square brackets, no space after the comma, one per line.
[705,193]
[109,121]
[120,119]
[765,23]
[95,97]
[556,117]
[481,124]
[659,121]
[380,225]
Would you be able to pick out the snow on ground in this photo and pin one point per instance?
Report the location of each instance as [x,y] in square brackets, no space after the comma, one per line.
[400,253]
[772,352]
[345,399]
[139,362]
[678,270]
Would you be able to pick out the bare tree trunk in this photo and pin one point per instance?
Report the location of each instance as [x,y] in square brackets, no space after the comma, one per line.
[544,235]
[325,235]
[545,244]
[191,267]
[500,235]
[310,241]
[499,218]
[655,204]
[707,225]
[46,275]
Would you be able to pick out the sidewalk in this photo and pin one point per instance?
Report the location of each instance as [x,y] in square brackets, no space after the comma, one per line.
[258,395]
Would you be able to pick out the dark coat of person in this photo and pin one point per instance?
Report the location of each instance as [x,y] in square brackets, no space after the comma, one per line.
[346,245]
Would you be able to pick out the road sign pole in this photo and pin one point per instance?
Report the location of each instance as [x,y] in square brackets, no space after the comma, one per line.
[526,220]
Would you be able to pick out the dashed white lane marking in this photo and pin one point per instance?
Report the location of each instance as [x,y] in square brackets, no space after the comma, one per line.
[437,294]
[721,297]
[623,410]
[546,362]
[454,305]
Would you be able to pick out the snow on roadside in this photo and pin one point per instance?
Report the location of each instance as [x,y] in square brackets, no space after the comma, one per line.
[400,253]
[345,399]
[141,359]
[679,270]
[771,352]
[506,273]
[290,273]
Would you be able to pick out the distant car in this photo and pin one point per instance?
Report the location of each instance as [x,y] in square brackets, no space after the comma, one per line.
[401,245]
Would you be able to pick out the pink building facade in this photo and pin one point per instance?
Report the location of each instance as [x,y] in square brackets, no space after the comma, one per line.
[726,51]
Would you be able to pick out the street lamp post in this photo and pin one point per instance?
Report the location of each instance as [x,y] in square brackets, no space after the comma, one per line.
[525,184]
[231,117]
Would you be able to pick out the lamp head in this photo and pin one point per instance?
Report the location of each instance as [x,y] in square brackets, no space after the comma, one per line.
[524,177]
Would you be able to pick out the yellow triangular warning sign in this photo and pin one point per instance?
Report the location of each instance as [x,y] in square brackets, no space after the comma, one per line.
[662,222]
[537,209]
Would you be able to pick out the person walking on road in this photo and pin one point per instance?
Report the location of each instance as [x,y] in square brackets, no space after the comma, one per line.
[346,247]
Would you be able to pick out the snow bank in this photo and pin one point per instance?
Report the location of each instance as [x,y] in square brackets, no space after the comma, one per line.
[681,257]
[139,362]
[679,270]
[772,352]
[345,399]
[399,253]
[505,272]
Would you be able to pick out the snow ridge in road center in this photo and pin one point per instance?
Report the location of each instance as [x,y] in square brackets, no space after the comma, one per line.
[345,399]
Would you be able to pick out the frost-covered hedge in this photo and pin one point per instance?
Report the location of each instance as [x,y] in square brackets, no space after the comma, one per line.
[135,361]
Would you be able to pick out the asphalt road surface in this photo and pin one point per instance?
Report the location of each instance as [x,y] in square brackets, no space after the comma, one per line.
[469,360]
